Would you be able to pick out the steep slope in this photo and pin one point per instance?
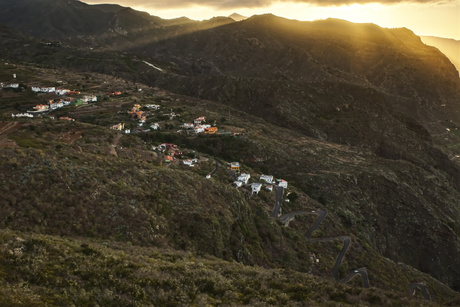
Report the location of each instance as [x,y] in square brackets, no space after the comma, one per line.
[450,47]
[270,47]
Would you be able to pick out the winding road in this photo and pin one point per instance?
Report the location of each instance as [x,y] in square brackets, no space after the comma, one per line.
[278,199]
[286,218]
[422,288]
[346,244]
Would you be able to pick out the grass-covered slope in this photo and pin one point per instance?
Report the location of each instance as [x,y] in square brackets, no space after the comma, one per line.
[74,189]
[38,270]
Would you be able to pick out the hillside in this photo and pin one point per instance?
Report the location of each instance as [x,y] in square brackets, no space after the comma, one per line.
[371,137]
[132,196]
[450,47]
[88,26]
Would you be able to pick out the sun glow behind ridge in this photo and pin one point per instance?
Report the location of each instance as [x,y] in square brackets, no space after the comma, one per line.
[437,19]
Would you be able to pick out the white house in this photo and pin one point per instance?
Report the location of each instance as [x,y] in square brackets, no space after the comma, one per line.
[37,89]
[155,126]
[199,120]
[282,183]
[91,98]
[56,105]
[22,115]
[266,178]
[10,85]
[237,183]
[188,162]
[244,178]
[188,126]
[199,129]
[256,187]
[153,106]
[61,91]
[269,187]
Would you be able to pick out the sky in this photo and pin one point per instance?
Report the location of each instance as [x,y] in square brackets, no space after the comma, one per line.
[425,17]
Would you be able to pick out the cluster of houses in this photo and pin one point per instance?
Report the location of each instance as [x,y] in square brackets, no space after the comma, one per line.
[268,180]
[168,149]
[199,126]
[136,113]
[52,105]
[57,91]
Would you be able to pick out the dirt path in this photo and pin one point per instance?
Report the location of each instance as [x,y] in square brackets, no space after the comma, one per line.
[116,140]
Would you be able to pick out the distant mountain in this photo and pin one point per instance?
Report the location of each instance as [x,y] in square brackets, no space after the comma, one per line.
[275,48]
[237,17]
[450,47]
[104,24]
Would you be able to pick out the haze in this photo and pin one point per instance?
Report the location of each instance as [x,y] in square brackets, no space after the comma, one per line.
[431,18]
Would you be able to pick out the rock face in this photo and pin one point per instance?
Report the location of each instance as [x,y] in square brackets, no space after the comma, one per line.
[363,119]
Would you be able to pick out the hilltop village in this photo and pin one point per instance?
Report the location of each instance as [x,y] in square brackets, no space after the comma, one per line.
[143,118]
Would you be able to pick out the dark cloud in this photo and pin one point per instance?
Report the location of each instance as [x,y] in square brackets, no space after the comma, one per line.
[239,4]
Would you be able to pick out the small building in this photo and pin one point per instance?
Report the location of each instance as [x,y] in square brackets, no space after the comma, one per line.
[73,93]
[235,166]
[37,89]
[199,129]
[61,91]
[199,120]
[282,183]
[91,98]
[266,178]
[118,127]
[67,118]
[188,162]
[211,130]
[22,115]
[56,105]
[237,184]
[41,107]
[256,188]
[155,126]
[169,159]
[188,126]
[244,178]
[10,85]
[269,187]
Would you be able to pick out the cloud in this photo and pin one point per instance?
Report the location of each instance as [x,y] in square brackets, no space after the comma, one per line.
[251,4]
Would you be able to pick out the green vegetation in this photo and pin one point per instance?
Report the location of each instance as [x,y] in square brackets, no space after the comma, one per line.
[89,215]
